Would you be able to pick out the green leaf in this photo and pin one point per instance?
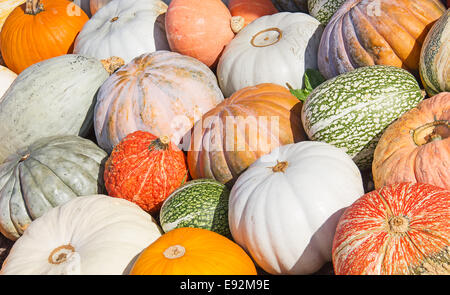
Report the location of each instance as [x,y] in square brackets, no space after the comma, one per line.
[312,79]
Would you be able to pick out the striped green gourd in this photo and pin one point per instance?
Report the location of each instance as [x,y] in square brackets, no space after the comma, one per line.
[201,203]
[352,110]
[323,10]
[435,57]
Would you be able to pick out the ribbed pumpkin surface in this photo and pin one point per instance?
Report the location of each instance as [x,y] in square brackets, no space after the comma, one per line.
[145,170]
[352,110]
[201,203]
[401,229]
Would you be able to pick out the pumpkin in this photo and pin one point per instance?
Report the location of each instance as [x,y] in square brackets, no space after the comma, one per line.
[249,124]
[6,6]
[352,110]
[6,79]
[400,229]
[95,5]
[201,203]
[383,32]
[124,28]
[53,97]
[163,93]
[145,169]
[193,251]
[249,10]
[291,5]
[39,30]
[323,10]
[199,28]
[435,57]
[416,148]
[46,174]
[275,49]
[285,207]
[90,235]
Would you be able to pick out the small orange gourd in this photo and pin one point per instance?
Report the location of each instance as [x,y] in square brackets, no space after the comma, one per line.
[193,251]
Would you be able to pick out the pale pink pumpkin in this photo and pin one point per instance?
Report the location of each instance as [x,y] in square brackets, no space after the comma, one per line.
[401,229]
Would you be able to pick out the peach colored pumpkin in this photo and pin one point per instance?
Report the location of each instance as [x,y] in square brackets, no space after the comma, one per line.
[416,148]
[163,93]
[199,28]
[250,10]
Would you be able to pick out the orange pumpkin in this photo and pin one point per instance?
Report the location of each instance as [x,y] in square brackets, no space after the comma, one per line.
[402,229]
[199,28]
[39,30]
[145,170]
[416,148]
[238,131]
[193,251]
[250,10]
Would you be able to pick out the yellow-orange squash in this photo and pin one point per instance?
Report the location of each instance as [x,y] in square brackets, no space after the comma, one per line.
[193,251]
[199,28]
[416,148]
[39,30]
[241,129]
[250,10]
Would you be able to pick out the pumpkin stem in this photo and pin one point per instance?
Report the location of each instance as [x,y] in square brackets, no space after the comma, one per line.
[237,24]
[398,224]
[59,255]
[280,166]
[24,158]
[174,252]
[434,131]
[33,7]
[161,143]
[267,37]
[112,64]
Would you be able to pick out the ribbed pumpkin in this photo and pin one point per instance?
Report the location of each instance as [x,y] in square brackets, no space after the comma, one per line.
[53,97]
[199,28]
[39,30]
[402,229]
[249,10]
[145,169]
[385,32]
[6,6]
[46,174]
[249,124]
[163,93]
[291,5]
[193,251]
[416,148]
[6,79]
[435,57]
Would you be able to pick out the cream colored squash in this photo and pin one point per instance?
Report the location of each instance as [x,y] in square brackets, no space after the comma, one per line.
[285,208]
[91,235]
[6,78]
[124,28]
[275,49]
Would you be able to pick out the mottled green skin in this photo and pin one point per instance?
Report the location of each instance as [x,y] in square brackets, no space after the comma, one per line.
[201,203]
[352,110]
[48,173]
[323,10]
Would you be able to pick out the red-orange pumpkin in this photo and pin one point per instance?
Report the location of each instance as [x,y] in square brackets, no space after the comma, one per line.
[39,30]
[250,10]
[416,148]
[399,229]
[199,28]
[145,170]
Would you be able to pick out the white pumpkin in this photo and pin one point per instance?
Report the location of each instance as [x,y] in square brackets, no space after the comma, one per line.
[124,28]
[284,209]
[6,78]
[92,235]
[274,48]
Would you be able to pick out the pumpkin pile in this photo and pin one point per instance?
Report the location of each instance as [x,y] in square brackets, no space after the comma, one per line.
[193,137]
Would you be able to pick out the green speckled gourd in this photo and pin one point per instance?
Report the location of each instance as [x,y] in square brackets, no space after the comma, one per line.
[323,10]
[53,97]
[435,57]
[46,174]
[201,203]
[352,110]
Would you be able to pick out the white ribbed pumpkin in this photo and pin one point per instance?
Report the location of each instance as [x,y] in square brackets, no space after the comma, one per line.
[275,48]
[92,235]
[124,28]
[6,78]
[163,93]
[284,209]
